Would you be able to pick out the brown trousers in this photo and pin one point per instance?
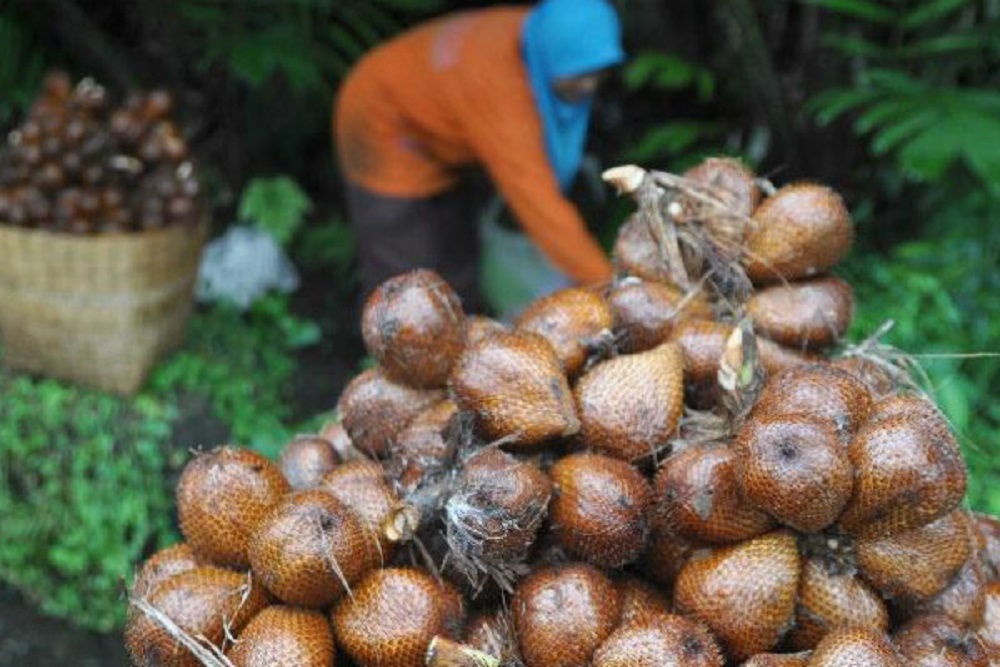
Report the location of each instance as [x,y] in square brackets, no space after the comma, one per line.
[398,234]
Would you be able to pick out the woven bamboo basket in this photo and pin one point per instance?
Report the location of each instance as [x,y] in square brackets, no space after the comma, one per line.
[100,310]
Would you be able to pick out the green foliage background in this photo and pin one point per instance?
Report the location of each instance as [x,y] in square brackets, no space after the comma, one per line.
[892,102]
[86,479]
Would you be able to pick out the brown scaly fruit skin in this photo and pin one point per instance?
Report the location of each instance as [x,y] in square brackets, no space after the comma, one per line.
[575,321]
[794,468]
[731,179]
[802,230]
[876,378]
[704,341]
[308,545]
[498,506]
[335,433]
[908,470]
[478,327]
[718,232]
[161,566]
[414,326]
[699,497]
[514,385]
[809,313]
[644,312]
[738,188]
[988,529]
[919,563]
[281,635]
[493,634]
[779,660]
[636,252]
[939,641]
[563,613]
[639,427]
[963,599]
[828,600]
[364,487]
[641,601]
[203,602]
[989,633]
[423,449]
[745,593]
[854,647]
[374,409]
[305,460]
[221,497]
[392,616]
[665,640]
[820,390]
[602,509]
[667,555]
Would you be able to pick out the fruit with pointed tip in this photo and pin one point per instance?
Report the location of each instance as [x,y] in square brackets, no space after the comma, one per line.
[811,313]
[575,321]
[206,603]
[852,647]
[281,635]
[222,496]
[699,497]
[392,616]
[310,549]
[514,385]
[601,512]
[414,326]
[745,593]
[802,230]
[562,614]
[305,460]
[642,425]
[665,640]
[374,409]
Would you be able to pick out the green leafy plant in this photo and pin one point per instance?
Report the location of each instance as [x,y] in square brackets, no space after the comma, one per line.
[923,95]
[22,65]
[924,92]
[681,141]
[275,204]
[82,491]
[86,479]
[305,41]
[943,294]
[328,245]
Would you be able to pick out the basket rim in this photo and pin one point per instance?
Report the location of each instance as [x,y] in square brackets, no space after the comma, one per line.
[203,221]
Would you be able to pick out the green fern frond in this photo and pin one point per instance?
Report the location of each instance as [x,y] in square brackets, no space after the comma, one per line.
[926,13]
[868,10]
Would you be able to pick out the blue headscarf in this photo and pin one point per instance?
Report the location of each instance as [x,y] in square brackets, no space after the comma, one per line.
[565,38]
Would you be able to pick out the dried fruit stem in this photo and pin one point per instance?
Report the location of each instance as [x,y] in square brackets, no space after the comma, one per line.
[445,653]
[654,211]
[208,654]
[903,369]
[702,193]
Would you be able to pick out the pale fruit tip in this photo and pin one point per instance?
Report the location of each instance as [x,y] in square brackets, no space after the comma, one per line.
[625,178]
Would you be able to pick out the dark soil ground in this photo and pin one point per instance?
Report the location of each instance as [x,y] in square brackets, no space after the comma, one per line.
[30,638]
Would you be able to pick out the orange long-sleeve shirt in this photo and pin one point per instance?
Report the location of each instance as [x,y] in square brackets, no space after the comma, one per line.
[453,92]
